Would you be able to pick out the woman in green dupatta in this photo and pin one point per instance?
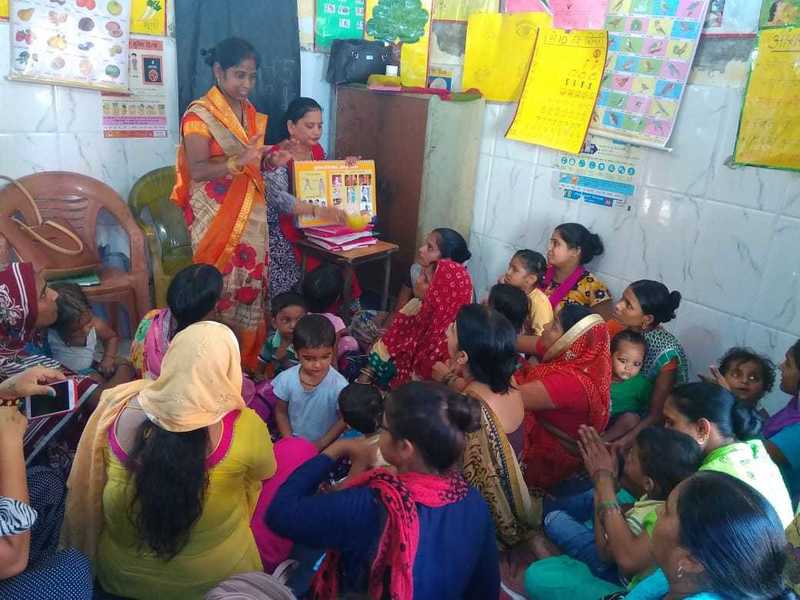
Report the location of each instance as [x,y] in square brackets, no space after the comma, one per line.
[481,343]
[726,431]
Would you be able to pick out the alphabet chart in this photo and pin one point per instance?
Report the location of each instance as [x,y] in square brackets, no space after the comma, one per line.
[651,47]
[561,89]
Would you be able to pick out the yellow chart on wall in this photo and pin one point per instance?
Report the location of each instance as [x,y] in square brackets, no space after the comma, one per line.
[414,57]
[3,10]
[769,131]
[460,10]
[561,89]
[498,52]
[149,17]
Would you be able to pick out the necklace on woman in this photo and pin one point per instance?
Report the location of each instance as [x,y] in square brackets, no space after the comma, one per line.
[299,152]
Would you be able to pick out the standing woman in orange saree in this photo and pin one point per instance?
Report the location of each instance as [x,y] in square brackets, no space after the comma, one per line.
[220,189]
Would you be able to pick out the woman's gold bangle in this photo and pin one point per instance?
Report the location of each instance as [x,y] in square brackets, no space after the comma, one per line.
[232,168]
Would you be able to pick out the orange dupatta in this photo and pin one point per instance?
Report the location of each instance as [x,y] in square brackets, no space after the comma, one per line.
[224,233]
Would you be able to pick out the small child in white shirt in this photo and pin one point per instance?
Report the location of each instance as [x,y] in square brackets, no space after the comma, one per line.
[78,339]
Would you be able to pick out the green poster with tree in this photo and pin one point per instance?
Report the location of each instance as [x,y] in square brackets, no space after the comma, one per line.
[338,20]
[396,21]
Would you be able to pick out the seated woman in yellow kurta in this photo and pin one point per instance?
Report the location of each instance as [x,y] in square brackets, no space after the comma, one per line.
[168,473]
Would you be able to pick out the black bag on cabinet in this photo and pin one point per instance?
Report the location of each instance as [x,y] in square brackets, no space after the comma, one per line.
[353,61]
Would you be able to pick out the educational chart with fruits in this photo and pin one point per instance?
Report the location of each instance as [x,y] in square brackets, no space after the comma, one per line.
[82,43]
[334,184]
[651,46]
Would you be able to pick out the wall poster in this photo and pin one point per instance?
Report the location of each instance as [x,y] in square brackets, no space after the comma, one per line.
[149,17]
[606,172]
[143,112]
[650,53]
[81,44]
[498,52]
[769,132]
[561,89]
[338,20]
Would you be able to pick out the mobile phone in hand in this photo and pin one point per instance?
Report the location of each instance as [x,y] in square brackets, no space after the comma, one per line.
[39,407]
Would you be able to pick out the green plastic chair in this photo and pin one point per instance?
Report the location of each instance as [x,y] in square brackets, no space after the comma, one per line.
[164,227]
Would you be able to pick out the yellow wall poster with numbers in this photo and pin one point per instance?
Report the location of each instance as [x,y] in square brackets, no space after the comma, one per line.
[561,89]
[334,184]
[769,131]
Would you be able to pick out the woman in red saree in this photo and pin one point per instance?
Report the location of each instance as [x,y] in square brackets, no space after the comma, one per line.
[569,388]
[417,338]
[221,190]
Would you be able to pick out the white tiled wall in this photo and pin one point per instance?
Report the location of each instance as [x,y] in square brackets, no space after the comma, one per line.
[52,128]
[44,127]
[727,238]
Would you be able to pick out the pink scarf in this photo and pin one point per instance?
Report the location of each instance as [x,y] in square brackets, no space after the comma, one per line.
[559,293]
[156,342]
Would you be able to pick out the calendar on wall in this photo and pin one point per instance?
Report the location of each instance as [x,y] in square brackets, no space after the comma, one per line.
[561,89]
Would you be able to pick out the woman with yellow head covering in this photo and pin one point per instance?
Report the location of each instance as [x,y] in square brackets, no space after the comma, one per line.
[168,473]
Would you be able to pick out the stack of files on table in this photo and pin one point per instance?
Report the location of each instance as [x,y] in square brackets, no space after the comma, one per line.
[338,238]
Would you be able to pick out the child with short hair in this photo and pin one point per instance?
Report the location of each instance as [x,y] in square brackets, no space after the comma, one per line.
[525,271]
[322,289]
[618,549]
[630,389]
[278,353]
[511,302]
[79,340]
[748,375]
[307,394]
[361,407]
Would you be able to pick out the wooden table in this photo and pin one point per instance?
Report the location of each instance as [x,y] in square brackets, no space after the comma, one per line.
[350,259]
